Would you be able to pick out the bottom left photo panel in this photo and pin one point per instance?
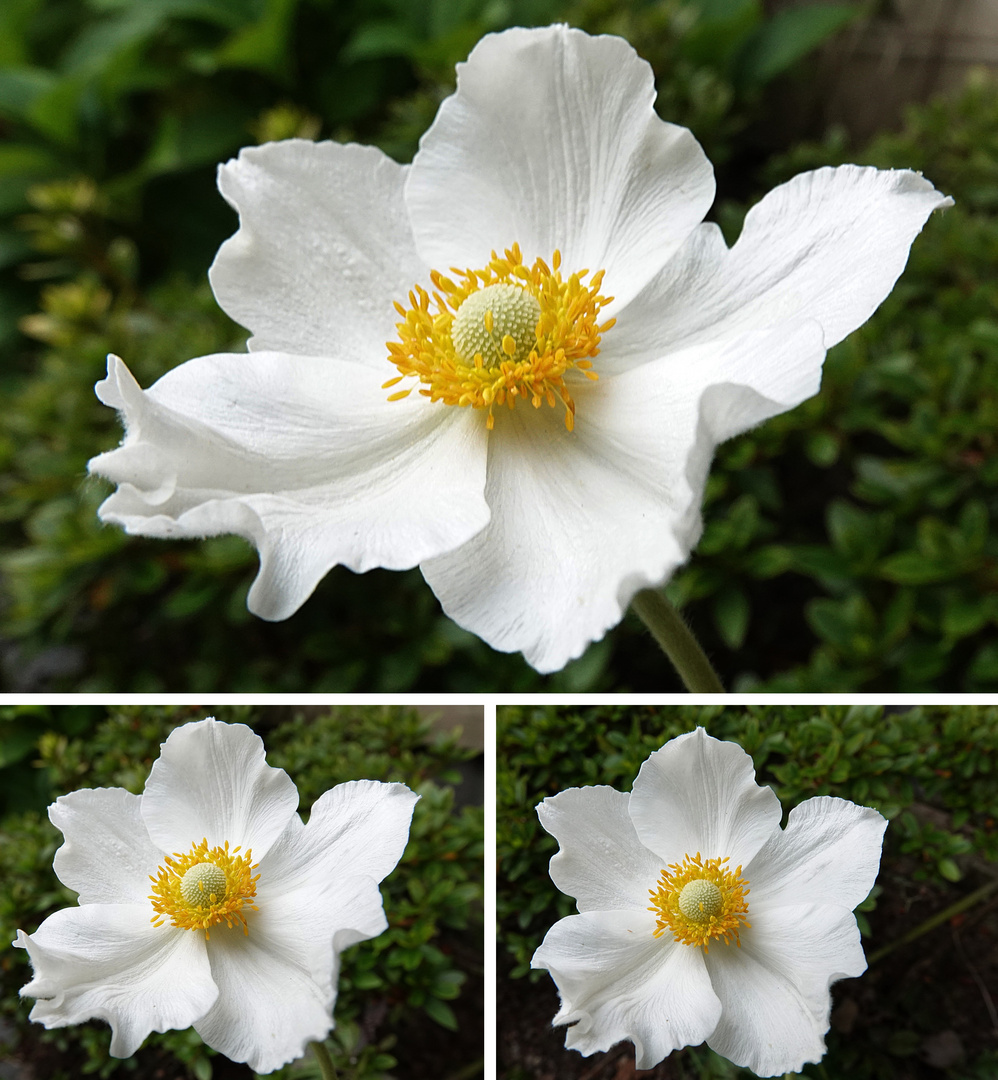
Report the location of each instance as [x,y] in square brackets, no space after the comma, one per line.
[231,891]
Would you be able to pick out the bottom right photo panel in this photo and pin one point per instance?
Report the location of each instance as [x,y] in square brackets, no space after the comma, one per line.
[720,891]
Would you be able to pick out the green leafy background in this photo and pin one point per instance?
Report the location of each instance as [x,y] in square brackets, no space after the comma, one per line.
[410,1000]
[932,771]
[849,544]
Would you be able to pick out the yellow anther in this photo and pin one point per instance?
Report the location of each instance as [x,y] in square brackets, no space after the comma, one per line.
[504,332]
[697,901]
[204,887]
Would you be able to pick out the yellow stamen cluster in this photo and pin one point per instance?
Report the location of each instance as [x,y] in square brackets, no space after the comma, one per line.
[204,887]
[696,901]
[476,341]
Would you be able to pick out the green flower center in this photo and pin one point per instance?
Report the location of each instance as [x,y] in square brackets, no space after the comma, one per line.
[700,900]
[203,885]
[497,323]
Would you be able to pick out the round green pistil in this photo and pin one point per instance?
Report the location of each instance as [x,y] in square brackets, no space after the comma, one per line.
[202,881]
[513,314]
[700,900]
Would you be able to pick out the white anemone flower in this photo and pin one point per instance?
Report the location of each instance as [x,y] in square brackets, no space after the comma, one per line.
[544,250]
[700,918]
[205,901]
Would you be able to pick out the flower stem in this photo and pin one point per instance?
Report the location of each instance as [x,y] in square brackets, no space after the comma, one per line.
[676,640]
[325,1061]
[935,920]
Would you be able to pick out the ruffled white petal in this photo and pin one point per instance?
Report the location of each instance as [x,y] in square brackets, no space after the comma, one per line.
[619,982]
[774,989]
[581,520]
[601,862]
[212,781]
[270,1003]
[317,894]
[303,456]
[829,853]
[359,828]
[551,140]
[107,856]
[328,914]
[699,794]
[325,875]
[813,945]
[108,961]
[545,576]
[323,249]
[828,245]
[747,379]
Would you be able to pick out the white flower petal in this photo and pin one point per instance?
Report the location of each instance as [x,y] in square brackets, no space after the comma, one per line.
[812,944]
[325,875]
[329,914]
[749,378]
[601,862]
[582,520]
[212,781]
[699,794]
[360,827]
[551,141]
[108,961]
[829,853]
[323,249]
[270,1005]
[107,856]
[578,526]
[774,989]
[828,245]
[620,982]
[303,456]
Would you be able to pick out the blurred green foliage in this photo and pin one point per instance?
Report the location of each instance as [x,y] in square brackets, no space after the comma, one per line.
[932,771]
[848,544]
[405,980]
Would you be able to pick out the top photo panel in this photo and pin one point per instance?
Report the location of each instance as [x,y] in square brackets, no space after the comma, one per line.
[465,347]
